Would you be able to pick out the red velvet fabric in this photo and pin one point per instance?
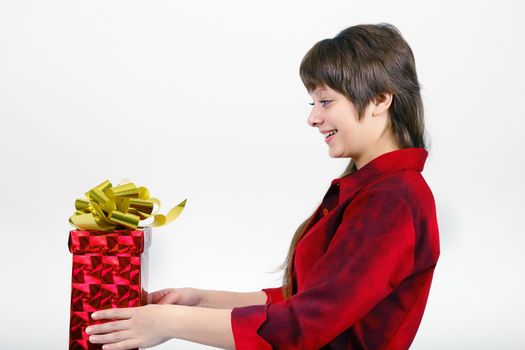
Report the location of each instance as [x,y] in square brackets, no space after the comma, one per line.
[362,271]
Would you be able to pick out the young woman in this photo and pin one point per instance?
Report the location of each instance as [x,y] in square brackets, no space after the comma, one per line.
[359,269]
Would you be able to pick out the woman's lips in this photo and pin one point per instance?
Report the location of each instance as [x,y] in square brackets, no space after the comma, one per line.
[329,138]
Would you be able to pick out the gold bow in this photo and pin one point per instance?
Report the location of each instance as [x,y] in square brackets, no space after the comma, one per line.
[108,208]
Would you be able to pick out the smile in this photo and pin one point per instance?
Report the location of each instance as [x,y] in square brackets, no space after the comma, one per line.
[330,137]
[330,133]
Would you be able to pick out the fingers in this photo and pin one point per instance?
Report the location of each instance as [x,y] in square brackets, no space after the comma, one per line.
[117,313]
[110,338]
[123,345]
[108,327]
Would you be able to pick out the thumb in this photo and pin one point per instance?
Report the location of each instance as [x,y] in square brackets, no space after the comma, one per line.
[171,298]
[158,295]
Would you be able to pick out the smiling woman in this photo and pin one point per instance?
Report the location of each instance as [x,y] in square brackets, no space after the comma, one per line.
[363,138]
[359,269]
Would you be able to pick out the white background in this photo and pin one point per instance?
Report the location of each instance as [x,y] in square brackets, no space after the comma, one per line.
[202,100]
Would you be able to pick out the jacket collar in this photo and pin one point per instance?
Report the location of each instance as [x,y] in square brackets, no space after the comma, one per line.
[405,158]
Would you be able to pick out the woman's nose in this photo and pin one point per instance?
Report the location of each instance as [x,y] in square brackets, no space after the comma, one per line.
[314,118]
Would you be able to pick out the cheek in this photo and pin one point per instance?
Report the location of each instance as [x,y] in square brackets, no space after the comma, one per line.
[349,136]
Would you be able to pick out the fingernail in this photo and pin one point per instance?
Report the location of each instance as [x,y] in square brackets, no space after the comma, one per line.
[88,330]
[93,315]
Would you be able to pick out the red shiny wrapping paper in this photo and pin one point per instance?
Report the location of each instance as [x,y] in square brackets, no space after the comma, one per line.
[109,271]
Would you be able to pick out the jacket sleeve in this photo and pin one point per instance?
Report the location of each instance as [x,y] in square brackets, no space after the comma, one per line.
[273,295]
[371,252]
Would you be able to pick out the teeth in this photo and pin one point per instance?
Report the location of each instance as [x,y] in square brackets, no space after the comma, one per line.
[331,133]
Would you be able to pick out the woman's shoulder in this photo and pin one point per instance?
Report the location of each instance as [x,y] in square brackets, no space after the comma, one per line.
[407,185]
[407,192]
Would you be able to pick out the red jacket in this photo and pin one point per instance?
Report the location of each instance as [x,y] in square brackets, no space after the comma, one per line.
[362,271]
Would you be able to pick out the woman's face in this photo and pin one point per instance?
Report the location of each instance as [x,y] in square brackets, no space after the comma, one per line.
[359,140]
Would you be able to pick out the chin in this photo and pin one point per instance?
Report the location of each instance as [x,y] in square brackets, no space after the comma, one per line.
[339,155]
[334,155]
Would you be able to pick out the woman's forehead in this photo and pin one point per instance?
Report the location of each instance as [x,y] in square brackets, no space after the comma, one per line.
[319,89]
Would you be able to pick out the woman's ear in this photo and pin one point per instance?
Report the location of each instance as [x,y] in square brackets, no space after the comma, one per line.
[381,103]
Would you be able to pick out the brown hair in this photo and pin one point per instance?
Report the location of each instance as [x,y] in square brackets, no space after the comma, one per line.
[361,62]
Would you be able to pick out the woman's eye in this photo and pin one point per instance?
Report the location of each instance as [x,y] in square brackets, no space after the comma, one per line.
[323,102]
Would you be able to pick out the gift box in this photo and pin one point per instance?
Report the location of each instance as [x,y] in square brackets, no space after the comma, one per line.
[110,270]
[110,252]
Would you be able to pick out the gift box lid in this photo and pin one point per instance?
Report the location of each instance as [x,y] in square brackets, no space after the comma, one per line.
[118,241]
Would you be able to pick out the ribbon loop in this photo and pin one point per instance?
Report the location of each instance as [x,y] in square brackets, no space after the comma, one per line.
[108,208]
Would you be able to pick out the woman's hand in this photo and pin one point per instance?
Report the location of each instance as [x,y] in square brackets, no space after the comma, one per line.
[142,326]
[179,296]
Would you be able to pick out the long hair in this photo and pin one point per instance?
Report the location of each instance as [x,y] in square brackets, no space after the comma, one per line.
[361,62]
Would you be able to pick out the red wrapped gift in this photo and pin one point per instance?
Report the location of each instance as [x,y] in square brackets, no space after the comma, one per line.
[110,270]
